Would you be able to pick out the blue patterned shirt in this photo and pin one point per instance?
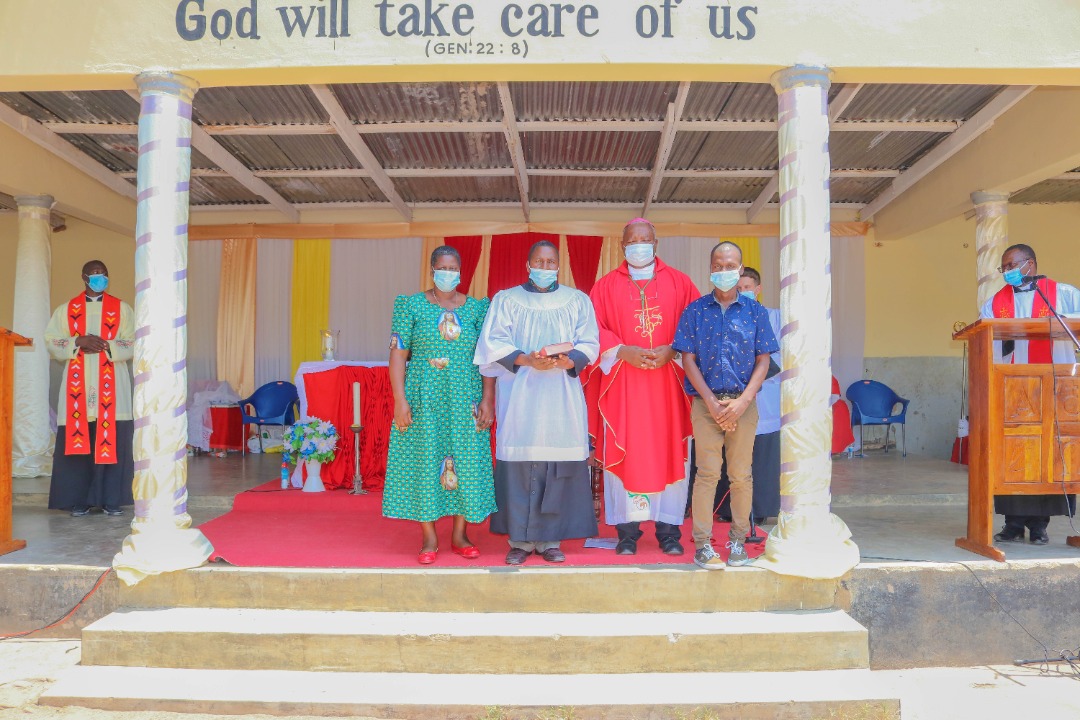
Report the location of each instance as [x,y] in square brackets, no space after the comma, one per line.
[725,344]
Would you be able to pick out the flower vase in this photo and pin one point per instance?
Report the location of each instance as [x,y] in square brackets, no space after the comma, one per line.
[314,478]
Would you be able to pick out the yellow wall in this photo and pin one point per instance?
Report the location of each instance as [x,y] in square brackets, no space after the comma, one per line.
[70,250]
[918,286]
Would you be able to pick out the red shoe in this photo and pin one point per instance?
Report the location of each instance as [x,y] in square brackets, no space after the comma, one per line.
[469,553]
[427,558]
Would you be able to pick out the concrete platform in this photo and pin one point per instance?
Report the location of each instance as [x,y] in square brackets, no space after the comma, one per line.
[724,696]
[480,643]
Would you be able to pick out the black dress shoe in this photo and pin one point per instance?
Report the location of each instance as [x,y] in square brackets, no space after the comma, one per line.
[626,546]
[80,511]
[1038,537]
[517,556]
[114,511]
[553,555]
[671,546]
[1009,534]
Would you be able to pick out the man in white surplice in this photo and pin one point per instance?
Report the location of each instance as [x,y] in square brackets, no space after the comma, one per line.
[543,486]
[1020,299]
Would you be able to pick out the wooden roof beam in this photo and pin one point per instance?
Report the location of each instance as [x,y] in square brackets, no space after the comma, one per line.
[667,142]
[513,142]
[350,135]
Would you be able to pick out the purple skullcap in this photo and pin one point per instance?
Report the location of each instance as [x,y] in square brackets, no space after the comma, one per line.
[636,221]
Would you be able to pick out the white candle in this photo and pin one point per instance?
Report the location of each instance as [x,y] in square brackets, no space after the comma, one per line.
[356,404]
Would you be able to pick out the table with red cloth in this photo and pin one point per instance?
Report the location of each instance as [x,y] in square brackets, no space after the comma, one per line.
[325,390]
[227,428]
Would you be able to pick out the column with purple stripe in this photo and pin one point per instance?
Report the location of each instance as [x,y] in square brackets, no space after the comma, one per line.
[808,541]
[161,538]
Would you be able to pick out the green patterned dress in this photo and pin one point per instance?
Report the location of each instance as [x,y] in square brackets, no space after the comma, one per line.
[441,465]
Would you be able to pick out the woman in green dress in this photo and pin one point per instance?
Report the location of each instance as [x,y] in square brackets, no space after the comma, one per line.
[440,445]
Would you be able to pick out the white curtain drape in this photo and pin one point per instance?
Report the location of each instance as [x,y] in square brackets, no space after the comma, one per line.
[848,308]
[690,255]
[204,289]
[365,277]
[273,301]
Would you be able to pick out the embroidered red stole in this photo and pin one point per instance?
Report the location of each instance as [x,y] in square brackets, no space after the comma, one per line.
[76,432]
[1039,351]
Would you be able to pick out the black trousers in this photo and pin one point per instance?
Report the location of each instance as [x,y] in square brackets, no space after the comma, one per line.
[632,531]
[1034,523]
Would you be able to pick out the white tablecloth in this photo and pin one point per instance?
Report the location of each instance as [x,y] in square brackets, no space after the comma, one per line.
[322,366]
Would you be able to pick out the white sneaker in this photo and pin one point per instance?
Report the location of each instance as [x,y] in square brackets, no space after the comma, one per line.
[707,558]
[738,554]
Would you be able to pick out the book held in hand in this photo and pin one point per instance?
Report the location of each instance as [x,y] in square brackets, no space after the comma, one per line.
[556,349]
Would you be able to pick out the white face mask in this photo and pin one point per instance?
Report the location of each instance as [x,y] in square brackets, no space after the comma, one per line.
[639,254]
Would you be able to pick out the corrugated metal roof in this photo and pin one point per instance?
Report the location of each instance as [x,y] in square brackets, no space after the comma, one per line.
[590,149]
[221,191]
[459,189]
[724,151]
[290,152]
[592,100]
[730,101]
[1049,191]
[415,102]
[440,150]
[710,190]
[100,106]
[119,153]
[880,151]
[272,105]
[588,189]
[919,102]
[856,190]
[316,190]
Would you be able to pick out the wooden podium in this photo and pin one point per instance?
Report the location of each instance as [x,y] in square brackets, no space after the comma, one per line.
[8,342]
[1016,414]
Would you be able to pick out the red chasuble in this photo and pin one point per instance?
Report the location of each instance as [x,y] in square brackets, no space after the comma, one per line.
[1039,351]
[76,426]
[639,419]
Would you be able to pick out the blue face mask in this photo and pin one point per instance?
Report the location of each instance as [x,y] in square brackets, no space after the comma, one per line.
[639,254]
[749,294]
[1015,277]
[543,279]
[447,280]
[97,282]
[724,280]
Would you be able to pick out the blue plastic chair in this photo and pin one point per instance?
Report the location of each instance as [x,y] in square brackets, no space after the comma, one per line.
[874,403]
[272,404]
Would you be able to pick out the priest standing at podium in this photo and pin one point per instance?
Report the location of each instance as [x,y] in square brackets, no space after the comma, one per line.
[1020,299]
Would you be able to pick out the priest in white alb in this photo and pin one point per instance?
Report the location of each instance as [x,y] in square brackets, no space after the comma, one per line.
[536,340]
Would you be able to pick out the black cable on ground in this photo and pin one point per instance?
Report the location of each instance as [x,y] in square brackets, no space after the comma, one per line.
[66,617]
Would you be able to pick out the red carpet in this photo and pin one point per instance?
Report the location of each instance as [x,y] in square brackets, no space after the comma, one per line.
[269,527]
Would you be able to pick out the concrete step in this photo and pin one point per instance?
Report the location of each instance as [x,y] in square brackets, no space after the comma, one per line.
[723,696]
[412,642]
[677,588]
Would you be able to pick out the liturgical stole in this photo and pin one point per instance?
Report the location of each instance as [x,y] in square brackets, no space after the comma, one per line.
[1039,351]
[78,442]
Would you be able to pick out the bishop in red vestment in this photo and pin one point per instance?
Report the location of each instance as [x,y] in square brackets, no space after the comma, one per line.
[639,415]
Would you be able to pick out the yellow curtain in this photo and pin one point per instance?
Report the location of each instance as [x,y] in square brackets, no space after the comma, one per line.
[236,315]
[310,299]
[751,250]
[610,255]
[430,243]
[566,273]
[479,286]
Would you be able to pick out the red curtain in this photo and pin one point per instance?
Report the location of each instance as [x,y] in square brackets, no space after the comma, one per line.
[468,246]
[584,259]
[329,396]
[509,255]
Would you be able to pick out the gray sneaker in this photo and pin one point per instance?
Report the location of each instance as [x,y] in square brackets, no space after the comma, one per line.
[707,558]
[738,554]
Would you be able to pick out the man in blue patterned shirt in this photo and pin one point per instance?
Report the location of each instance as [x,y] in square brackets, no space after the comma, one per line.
[725,340]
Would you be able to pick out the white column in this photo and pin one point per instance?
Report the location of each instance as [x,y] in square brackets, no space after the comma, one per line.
[161,539]
[991,239]
[32,435]
[808,540]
